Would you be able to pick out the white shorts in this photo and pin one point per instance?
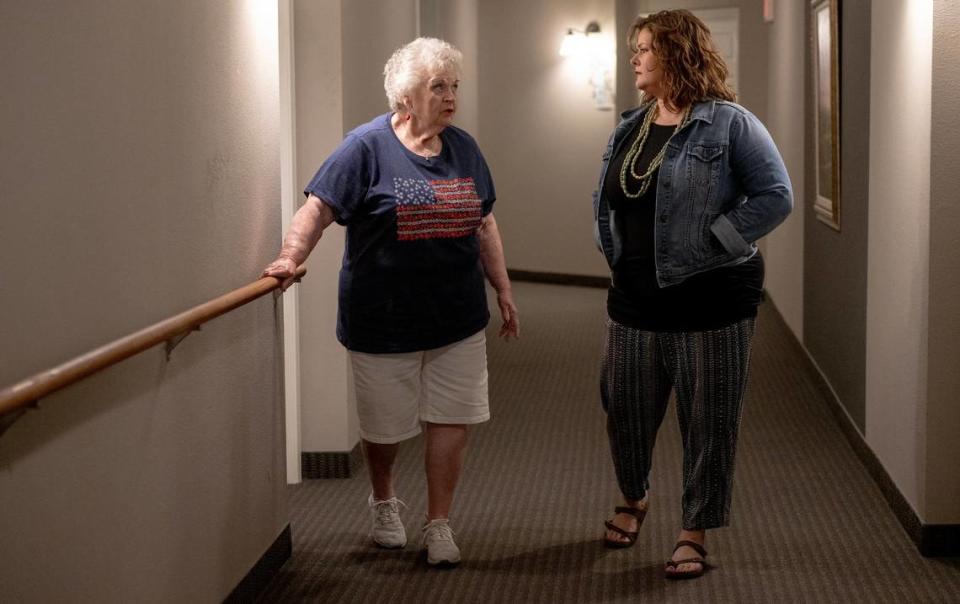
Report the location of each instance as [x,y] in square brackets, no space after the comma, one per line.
[397,391]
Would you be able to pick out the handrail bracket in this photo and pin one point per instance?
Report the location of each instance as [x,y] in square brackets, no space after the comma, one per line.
[8,419]
[175,340]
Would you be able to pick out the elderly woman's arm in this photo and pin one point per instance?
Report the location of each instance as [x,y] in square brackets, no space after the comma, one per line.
[304,233]
[495,267]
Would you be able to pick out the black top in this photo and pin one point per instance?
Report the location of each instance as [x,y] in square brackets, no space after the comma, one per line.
[707,300]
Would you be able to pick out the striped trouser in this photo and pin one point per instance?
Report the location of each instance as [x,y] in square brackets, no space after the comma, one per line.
[708,371]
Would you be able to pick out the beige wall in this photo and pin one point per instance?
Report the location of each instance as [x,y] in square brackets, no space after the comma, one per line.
[456,22]
[783,249]
[899,229]
[541,134]
[372,30]
[835,262]
[327,415]
[943,411]
[139,178]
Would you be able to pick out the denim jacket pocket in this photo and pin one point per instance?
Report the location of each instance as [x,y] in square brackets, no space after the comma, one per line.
[703,167]
[704,162]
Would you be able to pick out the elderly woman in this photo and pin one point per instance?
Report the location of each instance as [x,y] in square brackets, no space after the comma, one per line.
[689,181]
[416,197]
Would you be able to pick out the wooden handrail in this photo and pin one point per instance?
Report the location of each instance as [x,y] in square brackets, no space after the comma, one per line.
[27,392]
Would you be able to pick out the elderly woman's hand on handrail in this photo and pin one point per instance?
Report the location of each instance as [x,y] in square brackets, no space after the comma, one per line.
[305,231]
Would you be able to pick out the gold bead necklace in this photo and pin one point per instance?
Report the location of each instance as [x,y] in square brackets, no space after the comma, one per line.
[635,150]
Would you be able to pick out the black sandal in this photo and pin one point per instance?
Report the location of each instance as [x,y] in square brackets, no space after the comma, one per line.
[690,574]
[630,536]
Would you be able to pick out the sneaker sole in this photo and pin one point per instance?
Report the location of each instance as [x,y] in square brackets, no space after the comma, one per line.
[440,563]
[389,546]
[443,564]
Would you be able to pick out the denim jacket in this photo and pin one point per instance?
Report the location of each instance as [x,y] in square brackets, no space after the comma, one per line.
[722,185]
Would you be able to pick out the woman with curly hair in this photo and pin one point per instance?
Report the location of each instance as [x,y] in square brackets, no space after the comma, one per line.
[689,182]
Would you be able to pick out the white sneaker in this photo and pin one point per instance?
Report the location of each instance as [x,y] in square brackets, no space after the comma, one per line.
[387,528]
[438,541]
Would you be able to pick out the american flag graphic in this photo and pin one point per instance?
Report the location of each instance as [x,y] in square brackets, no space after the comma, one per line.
[432,209]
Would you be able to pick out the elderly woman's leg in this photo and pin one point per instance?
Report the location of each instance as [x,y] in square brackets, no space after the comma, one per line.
[455,395]
[444,459]
[380,459]
[388,392]
[387,530]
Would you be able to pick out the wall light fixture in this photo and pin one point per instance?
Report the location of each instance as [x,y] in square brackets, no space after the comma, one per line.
[575,42]
[592,55]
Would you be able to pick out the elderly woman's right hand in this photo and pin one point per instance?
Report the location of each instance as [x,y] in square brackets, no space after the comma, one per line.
[282,268]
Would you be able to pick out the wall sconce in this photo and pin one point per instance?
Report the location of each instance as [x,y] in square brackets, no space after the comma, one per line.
[575,42]
[592,55]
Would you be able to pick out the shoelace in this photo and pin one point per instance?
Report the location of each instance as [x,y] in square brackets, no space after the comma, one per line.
[386,509]
[441,531]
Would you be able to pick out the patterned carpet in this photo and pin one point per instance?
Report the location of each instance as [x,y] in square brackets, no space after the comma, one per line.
[808,523]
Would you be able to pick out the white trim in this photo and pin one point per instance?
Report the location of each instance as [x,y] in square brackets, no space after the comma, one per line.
[289,198]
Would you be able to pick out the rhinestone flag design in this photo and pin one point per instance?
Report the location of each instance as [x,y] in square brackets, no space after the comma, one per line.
[433,209]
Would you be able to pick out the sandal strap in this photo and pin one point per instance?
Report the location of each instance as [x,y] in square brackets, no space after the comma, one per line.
[629,535]
[635,512]
[693,545]
[676,563]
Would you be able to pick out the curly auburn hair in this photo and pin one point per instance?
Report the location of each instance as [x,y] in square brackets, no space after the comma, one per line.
[693,70]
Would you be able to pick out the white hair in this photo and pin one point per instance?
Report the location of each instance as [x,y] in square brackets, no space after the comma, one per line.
[413,63]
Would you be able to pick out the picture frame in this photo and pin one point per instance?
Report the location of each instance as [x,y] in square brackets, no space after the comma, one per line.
[826,86]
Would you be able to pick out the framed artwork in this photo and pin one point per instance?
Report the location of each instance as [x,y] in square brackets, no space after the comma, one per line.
[826,86]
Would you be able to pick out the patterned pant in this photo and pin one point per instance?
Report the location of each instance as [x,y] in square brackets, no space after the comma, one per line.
[708,370]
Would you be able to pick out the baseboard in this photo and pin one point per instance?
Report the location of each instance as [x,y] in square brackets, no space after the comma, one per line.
[559,278]
[329,464]
[940,540]
[269,564]
[932,540]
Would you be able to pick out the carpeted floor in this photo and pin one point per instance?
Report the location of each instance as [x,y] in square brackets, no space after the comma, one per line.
[809,525]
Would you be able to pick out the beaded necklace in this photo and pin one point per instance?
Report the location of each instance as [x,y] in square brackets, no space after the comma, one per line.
[633,154]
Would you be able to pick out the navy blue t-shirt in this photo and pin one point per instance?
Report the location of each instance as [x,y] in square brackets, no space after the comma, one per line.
[411,277]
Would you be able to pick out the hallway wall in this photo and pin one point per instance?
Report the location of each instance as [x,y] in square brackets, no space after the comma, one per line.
[139,178]
[328,417]
[372,30]
[456,22]
[783,248]
[835,263]
[943,386]
[899,239]
[541,133]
